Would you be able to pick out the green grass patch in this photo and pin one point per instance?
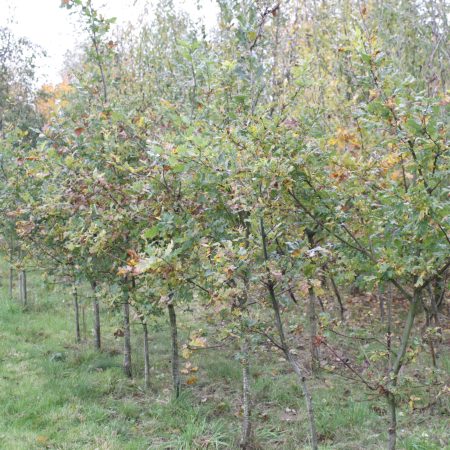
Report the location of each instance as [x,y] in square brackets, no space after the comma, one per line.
[56,394]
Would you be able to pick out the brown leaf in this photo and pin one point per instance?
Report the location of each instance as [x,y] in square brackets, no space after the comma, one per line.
[118,333]
[192,380]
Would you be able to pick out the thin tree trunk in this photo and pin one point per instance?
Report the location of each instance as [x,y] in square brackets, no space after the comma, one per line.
[146,355]
[96,307]
[298,371]
[322,306]
[23,288]
[389,328]
[246,406]
[285,348]
[381,303]
[392,431]
[83,318]
[20,287]
[315,361]
[312,318]
[11,281]
[308,400]
[246,436]
[430,316]
[127,338]
[436,297]
[397,365]
[175,357]
[77,313]
[338,298]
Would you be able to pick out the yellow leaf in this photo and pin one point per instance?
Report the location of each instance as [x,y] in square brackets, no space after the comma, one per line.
[42,439]
[122,271]
[198,341]
[192,380]
[186,353]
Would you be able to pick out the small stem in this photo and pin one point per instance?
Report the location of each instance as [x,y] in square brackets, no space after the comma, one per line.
[175,357]
[146,356]
[77,313]
[127,336]
[96,308]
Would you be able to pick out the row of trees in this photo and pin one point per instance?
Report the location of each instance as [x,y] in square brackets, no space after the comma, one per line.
[300,148]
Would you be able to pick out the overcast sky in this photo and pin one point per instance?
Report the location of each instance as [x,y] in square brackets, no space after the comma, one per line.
[56,30]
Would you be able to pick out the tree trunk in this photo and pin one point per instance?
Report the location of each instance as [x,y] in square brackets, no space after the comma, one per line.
[312,318]
[11,281]
[389,328]
[146,356]
[23,288]
[338,298]
[397,365]
[286,351]
[392,431]
[437,297]
[175,357]
[381,303]
[246,436]
[298,371]
[83,318]
[127,337]
[11,269]
[246,413]
[315,361]
[20,287]
[96,307]
[308,400]
[434,298]
[77,313]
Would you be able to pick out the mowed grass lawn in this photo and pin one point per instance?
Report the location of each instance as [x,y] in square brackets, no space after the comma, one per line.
[55,394]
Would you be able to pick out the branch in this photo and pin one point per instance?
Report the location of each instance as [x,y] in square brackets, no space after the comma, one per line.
[346,364]
[273,10]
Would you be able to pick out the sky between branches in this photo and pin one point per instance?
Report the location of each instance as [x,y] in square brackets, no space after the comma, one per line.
[57,32]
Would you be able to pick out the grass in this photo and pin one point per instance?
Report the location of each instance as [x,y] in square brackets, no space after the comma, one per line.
[55,394]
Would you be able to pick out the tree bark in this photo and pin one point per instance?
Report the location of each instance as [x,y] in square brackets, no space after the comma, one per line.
[312,318]
[381,303]
[20,287]
[11,270]
[389,328]
[23,288]
[286,351]
[397,365]
[338,298]
[434,295]
[11,281]
[175,357]
[96,308]
[127,337]
[246,436]
[308,400]
[83,318]
[146,356]
[246,406]
[315,361]
[392,431]
[77,313]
